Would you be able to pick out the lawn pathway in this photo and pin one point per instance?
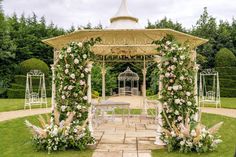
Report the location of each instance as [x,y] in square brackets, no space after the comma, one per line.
[22,113]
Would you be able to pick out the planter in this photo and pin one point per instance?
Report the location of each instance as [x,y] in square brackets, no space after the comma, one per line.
[92,146]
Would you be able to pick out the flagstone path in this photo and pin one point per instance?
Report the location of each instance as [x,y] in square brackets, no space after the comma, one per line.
[116,139]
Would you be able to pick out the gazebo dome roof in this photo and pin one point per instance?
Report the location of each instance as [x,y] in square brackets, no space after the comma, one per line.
[123,19]
[128,75]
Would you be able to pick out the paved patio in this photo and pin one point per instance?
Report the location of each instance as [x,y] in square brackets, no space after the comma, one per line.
[116,139]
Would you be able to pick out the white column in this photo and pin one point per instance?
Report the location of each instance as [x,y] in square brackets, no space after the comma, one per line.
[144,71]
[89,95]
[53,101]
[159,117]
[197,115]
[103,80]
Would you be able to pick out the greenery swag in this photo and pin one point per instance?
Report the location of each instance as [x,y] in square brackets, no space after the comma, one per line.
[68,126]
[177,71]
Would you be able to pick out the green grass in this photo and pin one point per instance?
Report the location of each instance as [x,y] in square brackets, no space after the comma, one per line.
[225,149]
[15,142]
[16,104]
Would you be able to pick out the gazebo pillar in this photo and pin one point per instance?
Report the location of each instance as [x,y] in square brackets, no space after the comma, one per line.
[197,115]
[103,80]
[89,95]
[53,87]
[158,140]
[144,71]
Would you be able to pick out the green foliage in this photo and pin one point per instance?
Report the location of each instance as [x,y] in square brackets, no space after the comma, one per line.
[95,94]
[225,58]
[97,79]
[33,64]
[166,23]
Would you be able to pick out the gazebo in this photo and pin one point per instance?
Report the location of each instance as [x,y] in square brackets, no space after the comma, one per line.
[123,41]
[133,78]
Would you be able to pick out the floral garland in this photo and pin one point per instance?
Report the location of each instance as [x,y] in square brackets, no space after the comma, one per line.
[177,71]
[68,126]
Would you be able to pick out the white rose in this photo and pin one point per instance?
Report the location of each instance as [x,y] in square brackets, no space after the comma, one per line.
[177,101]
[176,112]
[188,93]
[69,50]
[189,103]
[181,78]
[167,75]
[182,57]
[173,67]
[67,65]
[174,59]
[193,133]
[80,44]
[182,143]
[82,75]
[66,71]
[181,63]
[166,63]
[173,134]
[180,87]
[81,82]
[63,97]
[78,107]
[63,108]
[168,43]
[84,56]
[70,87]
[169,88]
[85,98]
[175,88]
[76,61]
[72,76]
[60,56]
[86,70]
[180,118]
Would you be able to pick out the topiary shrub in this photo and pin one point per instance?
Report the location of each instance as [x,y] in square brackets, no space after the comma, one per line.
[33,64]
[225,58]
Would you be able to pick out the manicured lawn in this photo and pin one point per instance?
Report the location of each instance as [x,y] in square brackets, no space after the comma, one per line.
[16,104]
[225,149]
[15,141]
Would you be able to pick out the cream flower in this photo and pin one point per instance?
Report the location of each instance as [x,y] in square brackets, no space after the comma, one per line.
[72,76]
[80,44]
[76,61]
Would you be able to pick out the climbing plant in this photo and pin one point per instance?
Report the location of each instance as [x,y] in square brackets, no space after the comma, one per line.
[177,72]
[68,126]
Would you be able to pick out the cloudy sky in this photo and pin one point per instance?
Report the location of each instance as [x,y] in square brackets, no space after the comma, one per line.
[65,13]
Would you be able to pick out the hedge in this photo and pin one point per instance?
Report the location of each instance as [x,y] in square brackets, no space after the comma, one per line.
[21,80]
[20,93]
[228,92]
[225,58]
[3,92]
[33,64]
[226,71]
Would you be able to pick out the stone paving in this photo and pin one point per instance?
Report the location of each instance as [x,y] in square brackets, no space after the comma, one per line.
[122,140]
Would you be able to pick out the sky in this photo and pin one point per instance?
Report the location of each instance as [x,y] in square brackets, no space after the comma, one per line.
[65,13]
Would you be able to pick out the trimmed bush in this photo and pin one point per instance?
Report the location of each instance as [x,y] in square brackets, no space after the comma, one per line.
[20,93]
[3,92]
[21,80]
[33,64]
[226,71]
[17,86]
[225,58]
[228,92]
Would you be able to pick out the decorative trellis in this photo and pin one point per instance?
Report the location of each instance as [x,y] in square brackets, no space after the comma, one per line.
[38,95]
[209,93]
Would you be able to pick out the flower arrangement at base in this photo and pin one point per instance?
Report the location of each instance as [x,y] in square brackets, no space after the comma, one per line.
[68,125]
[193,137]
[177,71]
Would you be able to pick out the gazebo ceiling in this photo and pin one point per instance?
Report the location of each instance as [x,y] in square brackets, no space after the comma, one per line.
[123,41]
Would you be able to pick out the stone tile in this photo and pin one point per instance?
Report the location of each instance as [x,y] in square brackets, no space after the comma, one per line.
[146,145]
[117,147]
[130,140]
[144,155]
[97,135]
[140,127]
[130,154]
[140,134]
[106,138]
[107,154]
[151,126]
[144,151]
